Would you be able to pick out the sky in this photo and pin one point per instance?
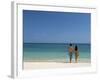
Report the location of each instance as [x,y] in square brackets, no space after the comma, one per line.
[56,27]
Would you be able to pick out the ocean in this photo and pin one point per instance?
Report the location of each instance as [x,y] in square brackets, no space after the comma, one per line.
[54,52]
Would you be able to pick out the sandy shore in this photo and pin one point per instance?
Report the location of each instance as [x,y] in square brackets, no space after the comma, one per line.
[47,65]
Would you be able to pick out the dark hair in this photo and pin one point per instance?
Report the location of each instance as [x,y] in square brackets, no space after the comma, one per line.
[76,48]
[70,44]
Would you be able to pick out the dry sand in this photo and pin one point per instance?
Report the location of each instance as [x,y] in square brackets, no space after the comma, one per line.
[47,65]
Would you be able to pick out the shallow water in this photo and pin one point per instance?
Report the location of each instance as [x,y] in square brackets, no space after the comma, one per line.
[54,52]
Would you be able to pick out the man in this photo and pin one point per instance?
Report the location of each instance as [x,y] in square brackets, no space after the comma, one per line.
[70,50]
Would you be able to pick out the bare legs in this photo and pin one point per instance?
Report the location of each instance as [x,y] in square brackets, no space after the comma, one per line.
[70,57]
[76,57]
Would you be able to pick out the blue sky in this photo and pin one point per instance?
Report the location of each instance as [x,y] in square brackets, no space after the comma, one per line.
[56,27]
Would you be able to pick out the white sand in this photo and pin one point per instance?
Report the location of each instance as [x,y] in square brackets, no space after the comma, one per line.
[47,65]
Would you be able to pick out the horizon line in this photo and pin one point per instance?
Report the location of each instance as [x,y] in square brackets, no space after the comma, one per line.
[60,43]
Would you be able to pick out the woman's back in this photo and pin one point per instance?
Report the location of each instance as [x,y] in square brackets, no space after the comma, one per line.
[76,48]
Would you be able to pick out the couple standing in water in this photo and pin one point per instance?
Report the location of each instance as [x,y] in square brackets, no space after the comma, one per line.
[73,50]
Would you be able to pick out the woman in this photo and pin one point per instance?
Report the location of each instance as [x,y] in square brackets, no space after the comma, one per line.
[76,53]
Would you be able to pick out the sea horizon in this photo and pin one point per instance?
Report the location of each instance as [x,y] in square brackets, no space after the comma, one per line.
[53,43]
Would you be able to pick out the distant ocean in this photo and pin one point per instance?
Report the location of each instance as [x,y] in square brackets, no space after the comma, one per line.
[54,52]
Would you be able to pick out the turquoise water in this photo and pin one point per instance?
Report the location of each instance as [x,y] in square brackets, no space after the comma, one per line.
[54,52]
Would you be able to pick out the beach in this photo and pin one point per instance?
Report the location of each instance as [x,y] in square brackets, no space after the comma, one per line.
[51,65]
[54,55]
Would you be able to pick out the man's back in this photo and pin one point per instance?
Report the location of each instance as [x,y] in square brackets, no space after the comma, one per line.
[70,49]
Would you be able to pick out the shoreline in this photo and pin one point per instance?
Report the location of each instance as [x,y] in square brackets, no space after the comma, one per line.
[51,65]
